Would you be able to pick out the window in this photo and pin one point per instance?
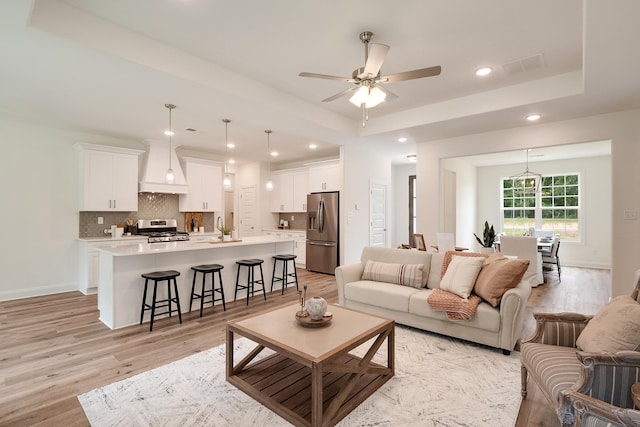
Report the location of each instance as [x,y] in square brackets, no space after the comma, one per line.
[555,207]
[412,208]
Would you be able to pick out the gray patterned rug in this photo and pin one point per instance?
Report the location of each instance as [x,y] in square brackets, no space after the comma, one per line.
[439,382]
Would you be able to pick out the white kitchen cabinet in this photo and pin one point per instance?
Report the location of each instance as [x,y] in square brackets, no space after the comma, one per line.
[89,260]
[300,190]
[290,191]
[300,249]
[108,178]
[204,180]
[281,196]
[325,177]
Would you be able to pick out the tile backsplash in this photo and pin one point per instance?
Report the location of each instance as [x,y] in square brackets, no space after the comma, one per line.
[150,206]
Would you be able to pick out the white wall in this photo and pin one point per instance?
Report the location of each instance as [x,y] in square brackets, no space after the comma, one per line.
[39,185]
[399,229]
[622,128]
[360,169]
[466,196]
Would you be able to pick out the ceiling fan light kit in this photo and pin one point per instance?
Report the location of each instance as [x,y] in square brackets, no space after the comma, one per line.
[368,90]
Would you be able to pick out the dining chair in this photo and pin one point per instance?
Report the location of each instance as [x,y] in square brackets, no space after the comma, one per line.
[446,242]
[551,258]
[525,248]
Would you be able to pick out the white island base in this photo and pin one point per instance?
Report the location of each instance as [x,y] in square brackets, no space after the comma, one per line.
[120,285]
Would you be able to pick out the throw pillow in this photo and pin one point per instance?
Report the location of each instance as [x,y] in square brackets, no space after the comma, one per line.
[498,275]
[449,255]
[399,274]
[616,327]
[461,275]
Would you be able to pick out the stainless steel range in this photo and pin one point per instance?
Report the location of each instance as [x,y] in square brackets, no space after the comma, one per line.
[161,230]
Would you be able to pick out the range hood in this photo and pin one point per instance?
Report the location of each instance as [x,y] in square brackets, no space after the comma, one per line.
[154,169]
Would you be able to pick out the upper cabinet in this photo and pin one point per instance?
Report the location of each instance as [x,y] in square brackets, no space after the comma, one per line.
[108,178]
[325,177]
[290,191]
[204,179]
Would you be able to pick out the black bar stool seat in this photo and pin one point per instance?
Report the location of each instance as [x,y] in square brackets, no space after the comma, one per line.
[251,264]
[160,276]
[207,293]
[286,275]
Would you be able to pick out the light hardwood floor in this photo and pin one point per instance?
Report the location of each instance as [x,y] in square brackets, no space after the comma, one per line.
[53,348]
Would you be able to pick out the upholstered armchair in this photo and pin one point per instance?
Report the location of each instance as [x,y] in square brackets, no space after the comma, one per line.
[587,387]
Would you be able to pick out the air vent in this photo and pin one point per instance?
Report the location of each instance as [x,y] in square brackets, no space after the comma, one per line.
[524,64]
[190,129]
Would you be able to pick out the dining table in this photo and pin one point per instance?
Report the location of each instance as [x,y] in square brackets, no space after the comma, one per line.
[544,244]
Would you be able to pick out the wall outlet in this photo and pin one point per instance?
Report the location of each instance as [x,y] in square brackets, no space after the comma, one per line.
[631,215]
[100,220]
[292,217]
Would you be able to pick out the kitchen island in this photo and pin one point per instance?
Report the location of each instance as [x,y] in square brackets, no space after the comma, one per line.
[120,285]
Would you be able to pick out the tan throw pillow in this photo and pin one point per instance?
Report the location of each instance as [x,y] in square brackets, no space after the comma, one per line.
[498,275]
[399,274]
[461,275]
[616,327]
[449,255]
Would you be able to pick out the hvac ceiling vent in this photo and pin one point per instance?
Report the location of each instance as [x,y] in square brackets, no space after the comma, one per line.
[524,64]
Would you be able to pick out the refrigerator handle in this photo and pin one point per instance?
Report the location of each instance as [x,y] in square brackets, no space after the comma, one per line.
[321,216]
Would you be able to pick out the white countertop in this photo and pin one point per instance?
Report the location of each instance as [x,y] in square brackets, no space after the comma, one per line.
[135,237]
[140,248]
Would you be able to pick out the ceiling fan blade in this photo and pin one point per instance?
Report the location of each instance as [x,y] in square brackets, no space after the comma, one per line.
[340,94]
[410,75]
[390,95]
[377,53]
[327,76]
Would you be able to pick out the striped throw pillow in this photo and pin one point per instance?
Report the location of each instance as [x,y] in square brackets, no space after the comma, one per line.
[398,274]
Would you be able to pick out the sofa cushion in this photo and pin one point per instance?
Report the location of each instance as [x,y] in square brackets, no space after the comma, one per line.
[616,327]
[497,276]
[449,255]
[557,367]
[398,256]
[398,274]
[461,275]
[487,318]
[380,294]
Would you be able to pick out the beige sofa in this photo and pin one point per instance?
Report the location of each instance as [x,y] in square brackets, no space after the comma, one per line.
[493,326]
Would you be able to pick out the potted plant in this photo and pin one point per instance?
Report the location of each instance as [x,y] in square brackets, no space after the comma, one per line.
[226,232]
[488,238]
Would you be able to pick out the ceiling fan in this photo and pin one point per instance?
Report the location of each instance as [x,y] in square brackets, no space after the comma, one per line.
[368,90]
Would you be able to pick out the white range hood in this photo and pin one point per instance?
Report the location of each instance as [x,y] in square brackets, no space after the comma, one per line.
[154,169]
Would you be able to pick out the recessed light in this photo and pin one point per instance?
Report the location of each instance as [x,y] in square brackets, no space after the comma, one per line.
[232,161]
[484,71]
[402,139]
[313,146]
[534,117]
[274,154]
[169,133]
[231,145]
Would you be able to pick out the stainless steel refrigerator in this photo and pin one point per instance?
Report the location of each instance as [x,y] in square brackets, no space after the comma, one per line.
[322,232]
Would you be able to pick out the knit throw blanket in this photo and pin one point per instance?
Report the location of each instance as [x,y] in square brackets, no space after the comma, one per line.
[457,308]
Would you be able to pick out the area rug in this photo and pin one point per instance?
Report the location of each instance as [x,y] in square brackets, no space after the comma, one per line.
[439,381]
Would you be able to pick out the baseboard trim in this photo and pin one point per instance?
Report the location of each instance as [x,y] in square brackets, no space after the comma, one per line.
[37,291]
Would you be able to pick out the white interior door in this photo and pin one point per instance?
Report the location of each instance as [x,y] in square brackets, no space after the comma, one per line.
[248,214]
[378,215]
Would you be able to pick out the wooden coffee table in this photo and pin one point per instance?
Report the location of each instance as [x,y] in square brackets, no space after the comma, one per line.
[311,380]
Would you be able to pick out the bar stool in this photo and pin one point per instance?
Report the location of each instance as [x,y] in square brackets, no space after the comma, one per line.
[206,269]
[159,276]
[285,259]
[251,264]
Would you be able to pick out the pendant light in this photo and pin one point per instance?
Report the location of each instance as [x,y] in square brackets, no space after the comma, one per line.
[170,177]
[269,184]
[226,182]
[528,182]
